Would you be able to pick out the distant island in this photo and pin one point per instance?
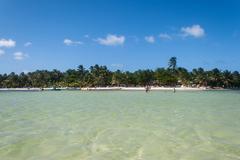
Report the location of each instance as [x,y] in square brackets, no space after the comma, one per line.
[101,76]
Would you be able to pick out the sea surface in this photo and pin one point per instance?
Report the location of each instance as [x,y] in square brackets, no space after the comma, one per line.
[120,125]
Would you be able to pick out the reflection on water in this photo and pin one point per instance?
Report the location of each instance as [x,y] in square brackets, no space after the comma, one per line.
[72,125]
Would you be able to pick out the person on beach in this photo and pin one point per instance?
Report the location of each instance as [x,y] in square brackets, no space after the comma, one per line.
[147,88]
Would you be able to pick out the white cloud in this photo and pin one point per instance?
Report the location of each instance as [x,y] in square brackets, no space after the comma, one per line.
[195,31]
[2,52]
[150,39]
[28,44]
[165,36]
[20,55]
[111,40]
[117,65]
[7,43]
[70,42]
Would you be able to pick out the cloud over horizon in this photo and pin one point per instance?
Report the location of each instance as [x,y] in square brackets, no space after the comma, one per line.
[111,40]
[117,65]
[195,31]
[165,36]
[20,55]
[150,39]
[8,43]
[27,44]
[70,42]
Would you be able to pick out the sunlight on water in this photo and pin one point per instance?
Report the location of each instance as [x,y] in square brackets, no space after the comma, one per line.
[74,125]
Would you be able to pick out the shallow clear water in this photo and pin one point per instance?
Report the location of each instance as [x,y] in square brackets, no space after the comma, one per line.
[74,125]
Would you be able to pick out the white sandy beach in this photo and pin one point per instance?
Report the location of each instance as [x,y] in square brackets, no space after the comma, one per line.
[111,89]
[143,89]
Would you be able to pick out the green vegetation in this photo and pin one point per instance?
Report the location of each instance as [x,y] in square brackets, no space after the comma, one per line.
[100,76]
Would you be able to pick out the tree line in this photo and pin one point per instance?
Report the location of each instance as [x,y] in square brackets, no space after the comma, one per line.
[101,76]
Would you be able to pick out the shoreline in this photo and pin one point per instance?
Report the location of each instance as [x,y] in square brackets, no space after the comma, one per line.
[117,89]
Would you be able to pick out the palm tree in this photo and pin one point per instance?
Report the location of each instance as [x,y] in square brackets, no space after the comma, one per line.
[227,79]
[236,79]
[165,77]
[215,78]
[144,77]
[172,64]
[199,77]
[100,76]
[183,76]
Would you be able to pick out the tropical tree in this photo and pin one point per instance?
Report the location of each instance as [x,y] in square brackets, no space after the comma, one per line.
[165,77]
[183,76]
[236,79]
[227,79]
[199,77]
[215,78]
[100,76]
[172,64]
[118,78]
[144,77]
[71,78]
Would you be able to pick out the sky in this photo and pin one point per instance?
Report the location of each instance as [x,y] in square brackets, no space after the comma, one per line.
[121,34]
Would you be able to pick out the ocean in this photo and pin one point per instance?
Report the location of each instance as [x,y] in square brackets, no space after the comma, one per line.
[120,125]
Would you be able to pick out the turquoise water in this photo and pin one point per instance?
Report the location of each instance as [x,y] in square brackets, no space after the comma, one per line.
[75,125]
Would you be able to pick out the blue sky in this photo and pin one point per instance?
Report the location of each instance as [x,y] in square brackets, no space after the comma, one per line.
[125,35]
